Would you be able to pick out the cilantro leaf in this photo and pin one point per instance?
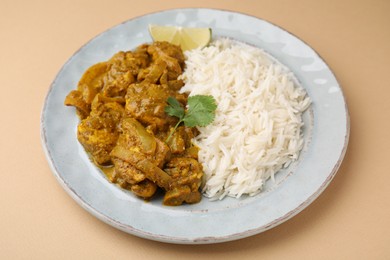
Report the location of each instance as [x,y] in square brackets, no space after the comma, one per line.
[174,108]
[200,111]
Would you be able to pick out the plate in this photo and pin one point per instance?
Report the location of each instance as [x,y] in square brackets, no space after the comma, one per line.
[326,136]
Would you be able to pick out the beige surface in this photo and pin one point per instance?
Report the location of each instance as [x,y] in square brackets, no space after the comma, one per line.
[39,220]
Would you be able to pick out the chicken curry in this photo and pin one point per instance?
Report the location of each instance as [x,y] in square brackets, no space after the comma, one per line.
[123,125]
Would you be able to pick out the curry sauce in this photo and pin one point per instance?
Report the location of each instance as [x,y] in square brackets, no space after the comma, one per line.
[124,128]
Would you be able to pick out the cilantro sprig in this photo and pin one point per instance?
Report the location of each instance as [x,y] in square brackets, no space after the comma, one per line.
[200,111]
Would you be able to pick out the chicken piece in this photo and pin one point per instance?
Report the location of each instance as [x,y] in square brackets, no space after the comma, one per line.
[158,49]
[112,108]
[171,54]
[124,68]
[98,133]
[179,195]
[146,103]
[75,98]
[181,139]
[89,85]
[187,177]
[98,136]
[153,73]
[141,54]
[139,155]
[135,136]
[125,173]
[129,61]
[143,164]
[190,152]
[117,83]
[167,67]
[144,189]
[92,81]
[175,85]
[181,142]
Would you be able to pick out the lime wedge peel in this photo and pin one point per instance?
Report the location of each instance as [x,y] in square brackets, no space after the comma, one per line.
[187,38]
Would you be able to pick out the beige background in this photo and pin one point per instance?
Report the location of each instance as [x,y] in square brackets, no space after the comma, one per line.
[39,220]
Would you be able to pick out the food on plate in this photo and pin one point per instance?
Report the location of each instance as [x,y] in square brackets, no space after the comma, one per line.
[186,37]
[150,120]
[124,126]
[258,121]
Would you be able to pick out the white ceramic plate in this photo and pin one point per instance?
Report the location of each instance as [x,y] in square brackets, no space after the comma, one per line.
[326,135]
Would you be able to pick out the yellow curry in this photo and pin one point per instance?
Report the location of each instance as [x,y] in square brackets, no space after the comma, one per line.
[123,124]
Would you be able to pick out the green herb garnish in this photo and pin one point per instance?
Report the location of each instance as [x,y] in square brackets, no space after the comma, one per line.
[200,111]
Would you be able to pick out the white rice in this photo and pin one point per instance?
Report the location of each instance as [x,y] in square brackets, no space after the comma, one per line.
[257,128]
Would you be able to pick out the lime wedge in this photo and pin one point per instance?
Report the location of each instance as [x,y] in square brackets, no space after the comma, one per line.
[187,38]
